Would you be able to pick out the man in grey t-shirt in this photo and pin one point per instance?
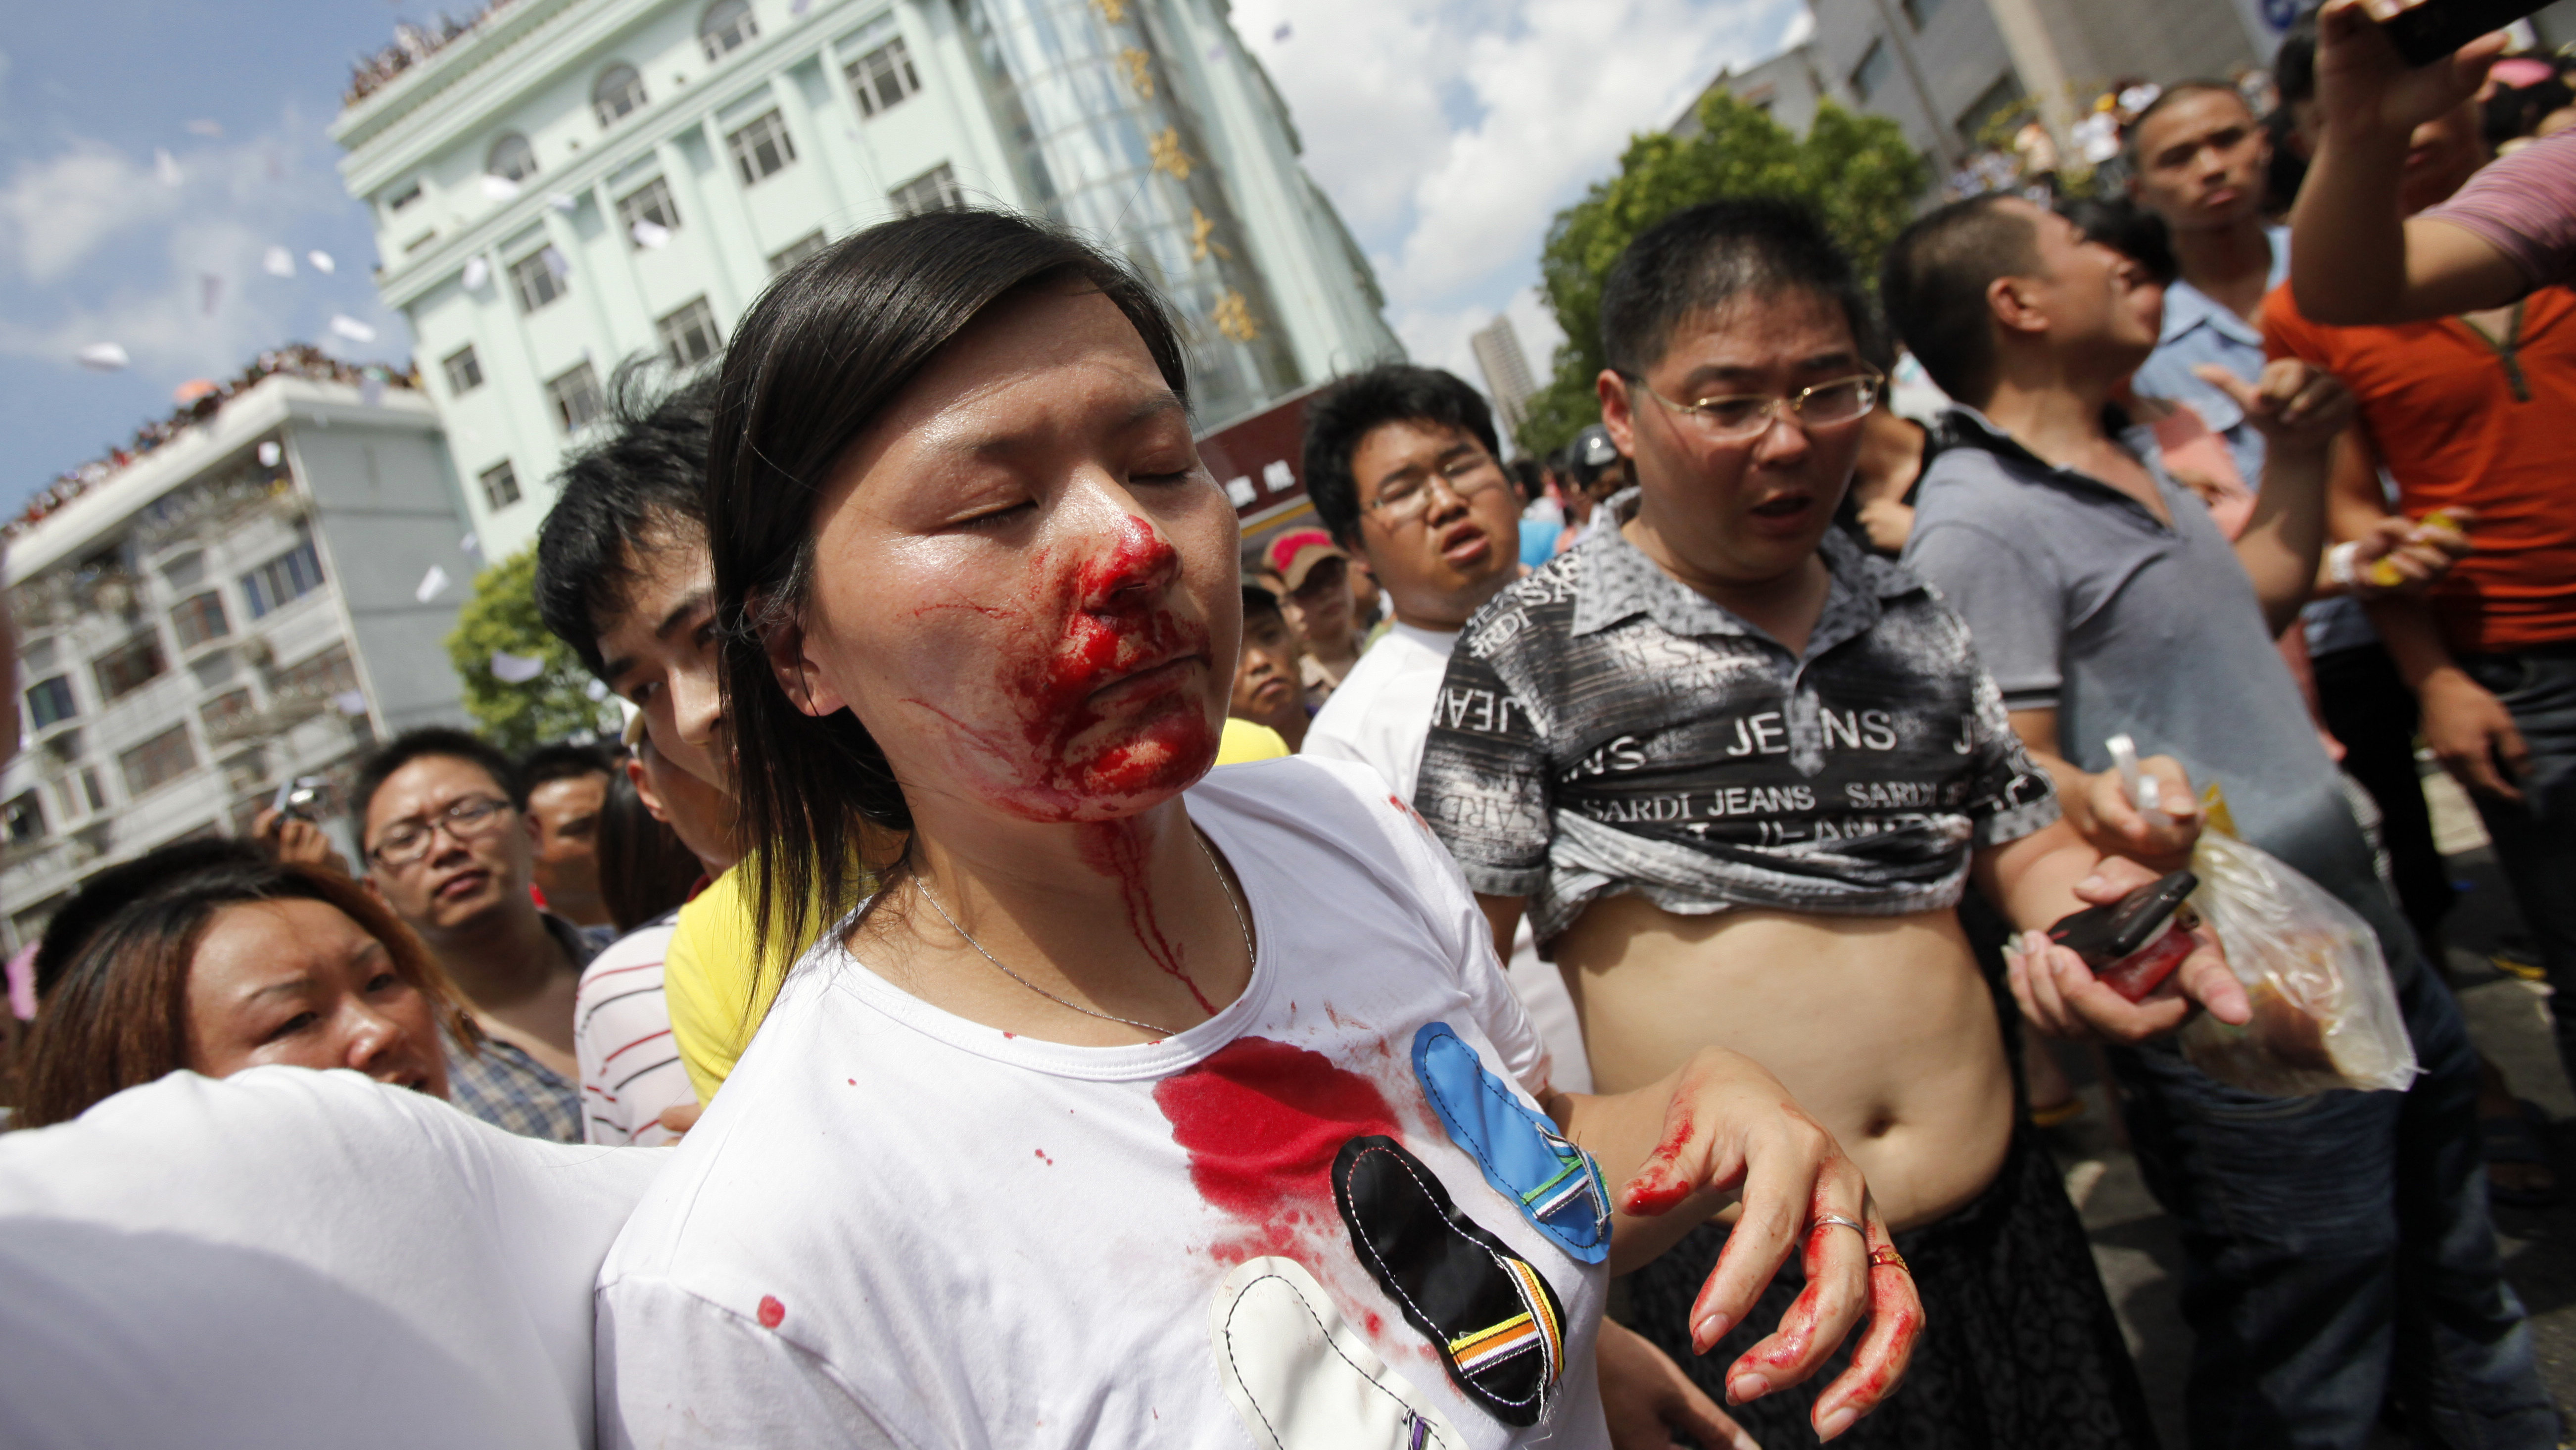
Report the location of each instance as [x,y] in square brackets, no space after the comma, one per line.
[2104,601]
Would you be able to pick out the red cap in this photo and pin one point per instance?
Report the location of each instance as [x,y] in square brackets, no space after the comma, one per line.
[1296,553]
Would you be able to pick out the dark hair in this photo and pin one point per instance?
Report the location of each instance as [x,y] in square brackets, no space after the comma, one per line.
[1526,479]
[2178,91]
[1933,284]
[1257,600]
[2128,229]
[119,1015]
[644,867]
[811,366]
[2289,169]
[420,744]
[1339,418]
[2516,111]
[629,493]
[1702,257]
[2294,63]
[563,761]
[108,892]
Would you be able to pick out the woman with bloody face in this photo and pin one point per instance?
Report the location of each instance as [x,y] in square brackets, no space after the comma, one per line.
[1141,1105]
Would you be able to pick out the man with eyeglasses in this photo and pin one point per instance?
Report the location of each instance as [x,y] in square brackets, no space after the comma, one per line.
[2340,1254]
[1738,771]
[443,828]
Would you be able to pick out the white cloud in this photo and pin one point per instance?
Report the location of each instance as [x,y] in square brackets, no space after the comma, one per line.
[1450,134]
[97,247]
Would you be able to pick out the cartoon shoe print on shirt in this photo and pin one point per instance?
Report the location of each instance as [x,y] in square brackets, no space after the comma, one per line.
[1556,1184]
[1302,1378]
[1498,1326]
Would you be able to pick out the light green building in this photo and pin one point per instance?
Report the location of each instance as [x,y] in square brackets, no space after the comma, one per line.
[569,183]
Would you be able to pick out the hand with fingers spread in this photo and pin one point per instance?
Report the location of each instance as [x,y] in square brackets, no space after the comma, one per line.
[2061,997]
[1728,1130]
[2296,407]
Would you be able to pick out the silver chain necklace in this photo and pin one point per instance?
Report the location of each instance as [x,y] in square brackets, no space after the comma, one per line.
[1240,925]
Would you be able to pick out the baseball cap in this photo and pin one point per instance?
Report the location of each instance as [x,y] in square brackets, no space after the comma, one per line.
[1296,553]
[1592,451]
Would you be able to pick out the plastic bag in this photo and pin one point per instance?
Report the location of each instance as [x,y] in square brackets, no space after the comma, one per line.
[2325,1011]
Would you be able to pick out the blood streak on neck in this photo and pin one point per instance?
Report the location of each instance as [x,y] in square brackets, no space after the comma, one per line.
[1262,1121]
[1117,849]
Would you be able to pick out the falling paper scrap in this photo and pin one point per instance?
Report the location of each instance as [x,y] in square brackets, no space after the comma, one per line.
[500,188]
[470,545]
[597,689]
[512,669]
[321,261]
[477,272]
[166,166]
[210,292]
[432,585]
[556,263]
[350,702]
[371,388]
[1284,31]
[278,263]
[651,234]
[205,128]
[351,328]
[105,357]
[562,203]
[269,453]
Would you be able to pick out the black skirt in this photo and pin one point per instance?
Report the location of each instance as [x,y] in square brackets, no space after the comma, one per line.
[2019,1347]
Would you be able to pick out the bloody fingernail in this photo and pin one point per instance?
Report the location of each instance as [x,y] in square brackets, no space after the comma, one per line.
[1746,1388]
[1836,1423]
[1708,1331]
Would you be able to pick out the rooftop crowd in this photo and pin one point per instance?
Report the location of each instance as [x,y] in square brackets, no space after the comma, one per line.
[1571,950]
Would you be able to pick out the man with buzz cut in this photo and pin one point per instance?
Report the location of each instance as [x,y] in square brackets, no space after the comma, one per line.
[1737,772]
[2340,1256]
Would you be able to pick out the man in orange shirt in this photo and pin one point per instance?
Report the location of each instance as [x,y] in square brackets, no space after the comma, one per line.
[2470,415]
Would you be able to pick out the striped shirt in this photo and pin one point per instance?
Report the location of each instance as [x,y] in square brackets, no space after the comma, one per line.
[630,1068]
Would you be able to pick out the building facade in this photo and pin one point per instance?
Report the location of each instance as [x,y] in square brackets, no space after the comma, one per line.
[565,184]
[239,608]
[1787,87]
[1943,69]
[1508,380]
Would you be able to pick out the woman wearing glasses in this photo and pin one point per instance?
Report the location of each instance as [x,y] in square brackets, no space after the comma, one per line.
[1736,771]
[1142,1105]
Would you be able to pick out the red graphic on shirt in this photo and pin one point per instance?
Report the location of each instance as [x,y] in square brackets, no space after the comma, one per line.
[771,1311]
[1262,1121]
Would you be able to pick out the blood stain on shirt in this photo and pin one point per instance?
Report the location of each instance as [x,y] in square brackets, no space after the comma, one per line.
[1262,1121]
[1042,1157]
[771,1311]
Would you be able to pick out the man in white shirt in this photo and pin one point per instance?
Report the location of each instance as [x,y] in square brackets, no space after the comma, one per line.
[1401,465]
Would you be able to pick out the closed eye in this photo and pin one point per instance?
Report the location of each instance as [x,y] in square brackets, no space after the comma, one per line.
[291,1026]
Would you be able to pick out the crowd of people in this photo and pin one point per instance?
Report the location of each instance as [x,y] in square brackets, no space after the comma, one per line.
[296,359]
[412,44]
[1096,999]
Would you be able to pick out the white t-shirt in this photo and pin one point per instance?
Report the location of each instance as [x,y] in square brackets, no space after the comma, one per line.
[621,1036]
[296,1260]
[1380,717]
[898,1227]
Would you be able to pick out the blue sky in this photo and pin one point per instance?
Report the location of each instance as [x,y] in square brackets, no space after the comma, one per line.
[1508,108]
[96,247]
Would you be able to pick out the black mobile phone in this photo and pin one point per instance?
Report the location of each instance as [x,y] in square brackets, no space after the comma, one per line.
[2425,33]
[2102,935]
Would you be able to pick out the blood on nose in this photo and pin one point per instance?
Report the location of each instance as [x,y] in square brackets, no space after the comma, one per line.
[1135,560]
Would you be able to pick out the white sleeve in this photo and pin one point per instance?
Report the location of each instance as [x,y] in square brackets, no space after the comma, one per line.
[675,1371]
[1468,940]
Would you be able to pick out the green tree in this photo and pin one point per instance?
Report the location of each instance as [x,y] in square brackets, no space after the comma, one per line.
[1857,171]
[502,617]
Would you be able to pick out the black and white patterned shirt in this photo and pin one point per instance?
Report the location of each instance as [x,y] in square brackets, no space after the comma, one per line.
[1603,729]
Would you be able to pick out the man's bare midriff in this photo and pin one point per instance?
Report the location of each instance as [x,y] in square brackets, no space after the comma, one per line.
[1881,1026]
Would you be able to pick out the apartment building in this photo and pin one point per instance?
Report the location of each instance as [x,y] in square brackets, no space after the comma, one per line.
[565,184]
[239,607]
